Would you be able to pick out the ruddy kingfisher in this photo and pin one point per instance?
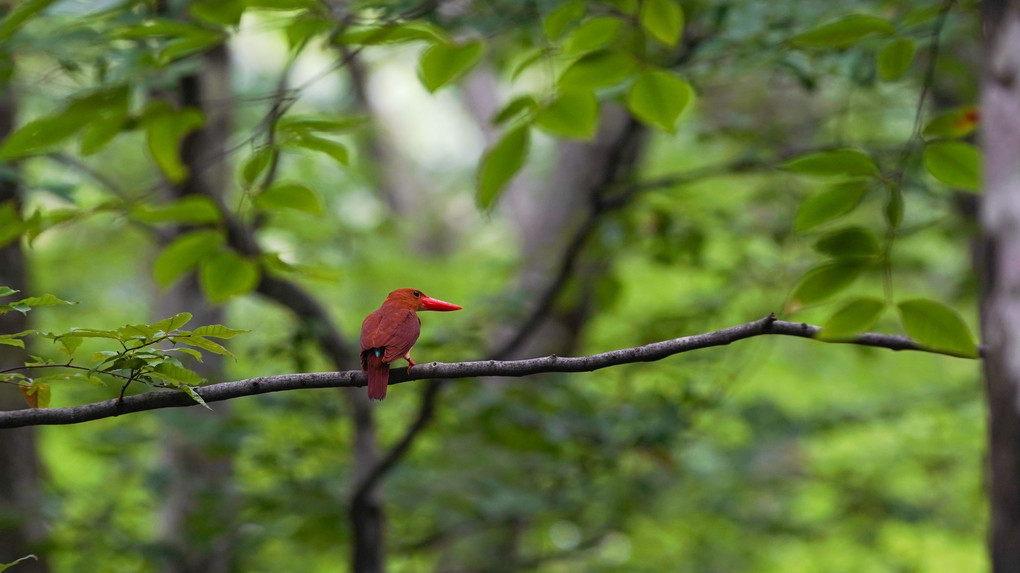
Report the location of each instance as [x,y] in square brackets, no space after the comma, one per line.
[389,333]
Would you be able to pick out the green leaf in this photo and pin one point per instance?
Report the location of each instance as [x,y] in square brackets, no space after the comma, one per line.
[42,393]
[844,32]
[102,131]
[894,59]
[69,344]
[226,274]
[179,374]
[592,35]
[12,22]
[158,28]
[189,351]
[93,333]
[183,254]
[520,105]
[7,291]
[331,148]
[657,98]
[500,163]
[12,340]
[195,209]
[43,300]
[217,331]
[526,62]
[197,41]
[935,325]
[127,362]
[662,19]
[40,135]
[830,204]
[11,224]
[273,262]
[18,306]
[397,33]
[304,124]
[257,163]
[289,196]
[443,63]
[573,114]
[598,69]
[557,21]
[164,133]
[846,162]
[195,396]
[223,12]
[956,123]
[103,356]
[171,324]
[849,243]
[137,332]
[303,28]
[824,281]
[954,163]
[204,344]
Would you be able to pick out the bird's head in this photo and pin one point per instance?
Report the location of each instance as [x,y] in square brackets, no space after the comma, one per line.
[416,300]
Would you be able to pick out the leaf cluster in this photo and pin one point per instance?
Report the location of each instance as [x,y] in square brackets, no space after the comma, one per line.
[146,353]
[849,175]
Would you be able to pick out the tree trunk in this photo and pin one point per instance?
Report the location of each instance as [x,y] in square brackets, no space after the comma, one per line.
[198,518]
[21,523]
[1000,264]
[366,512]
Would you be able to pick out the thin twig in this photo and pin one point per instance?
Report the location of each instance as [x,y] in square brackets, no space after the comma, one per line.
[68,365]
[929,71]
[908,148]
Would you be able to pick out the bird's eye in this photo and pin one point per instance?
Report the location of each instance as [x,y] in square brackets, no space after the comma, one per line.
[416,293]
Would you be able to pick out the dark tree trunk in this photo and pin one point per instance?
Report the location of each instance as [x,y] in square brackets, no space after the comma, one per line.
[366,511]
[198,519]
[1000,264]
[21,523]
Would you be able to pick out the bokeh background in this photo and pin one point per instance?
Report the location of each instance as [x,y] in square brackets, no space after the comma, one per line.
[771,454]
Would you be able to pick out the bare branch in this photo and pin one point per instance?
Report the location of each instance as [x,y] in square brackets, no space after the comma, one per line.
[545,299]
[511,368]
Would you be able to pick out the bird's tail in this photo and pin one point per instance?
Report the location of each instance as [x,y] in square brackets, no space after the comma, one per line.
[378,373]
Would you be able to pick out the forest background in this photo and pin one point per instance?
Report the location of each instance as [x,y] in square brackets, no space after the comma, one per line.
[581,176]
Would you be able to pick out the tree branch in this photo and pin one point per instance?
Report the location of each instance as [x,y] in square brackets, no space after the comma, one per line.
[511,368]
[426,409]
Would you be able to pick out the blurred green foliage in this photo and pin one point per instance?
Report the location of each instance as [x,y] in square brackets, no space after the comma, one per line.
[770,455]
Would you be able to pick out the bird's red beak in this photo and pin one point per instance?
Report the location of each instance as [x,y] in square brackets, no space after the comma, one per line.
[429,303]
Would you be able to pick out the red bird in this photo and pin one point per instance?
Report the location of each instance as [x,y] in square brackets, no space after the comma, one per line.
[389,333]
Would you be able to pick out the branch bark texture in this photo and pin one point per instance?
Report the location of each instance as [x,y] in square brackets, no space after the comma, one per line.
[508,368]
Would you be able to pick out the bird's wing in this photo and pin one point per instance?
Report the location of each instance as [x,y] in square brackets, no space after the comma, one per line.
[371,336]
[395,330]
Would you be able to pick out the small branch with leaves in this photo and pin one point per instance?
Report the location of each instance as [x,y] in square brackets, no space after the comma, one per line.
[510,368]
[147,353]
